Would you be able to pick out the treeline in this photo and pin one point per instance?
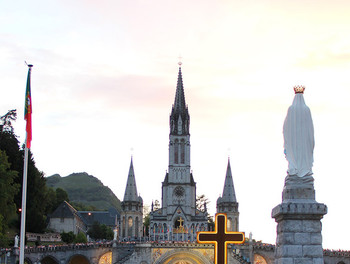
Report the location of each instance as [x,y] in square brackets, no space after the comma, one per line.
[41,200]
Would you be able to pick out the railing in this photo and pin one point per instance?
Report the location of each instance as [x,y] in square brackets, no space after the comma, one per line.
[336,253]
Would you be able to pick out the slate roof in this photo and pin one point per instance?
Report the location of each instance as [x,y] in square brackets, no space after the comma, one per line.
[131,189]
[228,194]
[107,218]
[65,210]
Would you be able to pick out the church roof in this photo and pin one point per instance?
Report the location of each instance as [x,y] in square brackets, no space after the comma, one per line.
[130,189]
[228,194]
[65,210]
[102,217]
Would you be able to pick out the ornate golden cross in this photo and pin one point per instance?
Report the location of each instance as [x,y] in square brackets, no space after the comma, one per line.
[181,220]
[220,237]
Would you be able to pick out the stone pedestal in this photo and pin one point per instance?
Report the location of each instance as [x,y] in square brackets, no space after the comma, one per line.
[298,217]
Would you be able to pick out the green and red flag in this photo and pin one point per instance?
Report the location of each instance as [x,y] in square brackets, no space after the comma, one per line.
[28,110]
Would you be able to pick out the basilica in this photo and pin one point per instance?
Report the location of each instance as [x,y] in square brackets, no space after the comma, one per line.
[178,219]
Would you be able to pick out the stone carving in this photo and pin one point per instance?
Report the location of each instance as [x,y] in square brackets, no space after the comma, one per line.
[298,132]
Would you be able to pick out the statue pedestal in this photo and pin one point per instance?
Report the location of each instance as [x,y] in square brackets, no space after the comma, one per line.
[298,217]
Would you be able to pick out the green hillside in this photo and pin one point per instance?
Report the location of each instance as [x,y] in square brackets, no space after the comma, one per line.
[86,189]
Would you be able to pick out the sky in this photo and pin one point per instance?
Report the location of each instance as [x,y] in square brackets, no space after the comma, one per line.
[104,81]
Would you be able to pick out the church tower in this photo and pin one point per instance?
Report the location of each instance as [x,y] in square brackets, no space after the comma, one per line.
[178,214]
[179,188]
[227,203]
[132,209]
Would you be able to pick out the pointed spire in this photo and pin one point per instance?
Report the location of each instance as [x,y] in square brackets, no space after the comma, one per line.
[130,189]
[179,109]
[179,104]
[228,194]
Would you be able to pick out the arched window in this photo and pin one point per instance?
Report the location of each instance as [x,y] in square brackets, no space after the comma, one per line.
[182,151]
[130,225]
[258,259]
[229,224]
[106,258]
[176,152]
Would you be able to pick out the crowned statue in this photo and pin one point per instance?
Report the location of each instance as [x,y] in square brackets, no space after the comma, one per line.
[298,132]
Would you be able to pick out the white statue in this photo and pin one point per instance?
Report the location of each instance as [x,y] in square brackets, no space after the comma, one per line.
[298,132]
[16,241]
[115,234]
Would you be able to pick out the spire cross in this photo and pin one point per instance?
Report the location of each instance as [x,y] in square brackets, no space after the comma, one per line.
[180,61]
[220,238]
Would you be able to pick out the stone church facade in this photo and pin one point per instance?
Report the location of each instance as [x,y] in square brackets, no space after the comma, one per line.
[178,219]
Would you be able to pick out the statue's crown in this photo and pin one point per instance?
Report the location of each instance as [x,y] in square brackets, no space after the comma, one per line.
[299,89]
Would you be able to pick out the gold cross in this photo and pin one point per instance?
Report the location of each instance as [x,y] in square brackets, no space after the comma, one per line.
[220,237]
[181,220]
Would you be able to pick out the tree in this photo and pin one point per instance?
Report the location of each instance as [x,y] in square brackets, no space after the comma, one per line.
[156,205]
[68,237]
[61,196]
[3,239]
[202,202]
[36,185]
[36,203]
[80,238]
[146,223]
[146,218]
[98,231]
[82,207]
[8,189]
[107,232]
[95,231]
[201,205]
[51,200]
[6,119]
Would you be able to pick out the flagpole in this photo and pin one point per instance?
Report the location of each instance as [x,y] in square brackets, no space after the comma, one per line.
[24,205]
[28,110]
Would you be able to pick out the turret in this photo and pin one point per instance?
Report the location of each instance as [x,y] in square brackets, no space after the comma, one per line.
[132,208]
[227,203]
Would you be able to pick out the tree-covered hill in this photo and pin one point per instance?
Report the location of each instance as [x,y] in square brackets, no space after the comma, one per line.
[85,189]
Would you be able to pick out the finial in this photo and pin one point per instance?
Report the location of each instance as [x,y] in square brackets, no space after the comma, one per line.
[299,89]
[29,65]
[180,62]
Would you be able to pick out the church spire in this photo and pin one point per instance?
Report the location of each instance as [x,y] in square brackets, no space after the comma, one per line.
[179,118]
[130,189]
[179,104]
[228,194]
[227,203]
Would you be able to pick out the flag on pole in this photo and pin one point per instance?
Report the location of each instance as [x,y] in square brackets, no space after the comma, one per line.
[28,109]
[28,118]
